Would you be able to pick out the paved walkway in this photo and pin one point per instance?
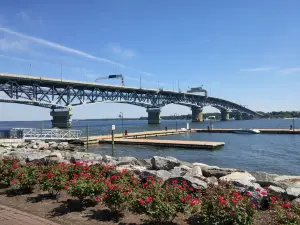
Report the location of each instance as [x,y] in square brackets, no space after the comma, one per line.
[10,216]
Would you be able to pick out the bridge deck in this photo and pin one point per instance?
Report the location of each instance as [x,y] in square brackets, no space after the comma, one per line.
[263,131]
[166,143]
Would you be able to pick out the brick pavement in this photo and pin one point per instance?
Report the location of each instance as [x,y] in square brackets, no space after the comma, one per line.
[10,216]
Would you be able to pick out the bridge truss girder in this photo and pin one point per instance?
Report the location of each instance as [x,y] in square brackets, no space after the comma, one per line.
[61,95]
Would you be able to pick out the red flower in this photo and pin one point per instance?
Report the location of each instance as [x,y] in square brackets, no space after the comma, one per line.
[15,165]
[195,202]
[125,193]
[264,193]
[253,206]
[232,213]
[266,187]
[191,189]
[222,200]
[19,175]
[114,177]
[66,187]
[236,194]
[56,182]
[234,201]
[38,179]
[273,199]
[174,181]
[257,189]
[182,200]
[288,213]
[142,202]
[129,189]
[22,181]
[248,194]
[14,181]
[287,205]
[149,199]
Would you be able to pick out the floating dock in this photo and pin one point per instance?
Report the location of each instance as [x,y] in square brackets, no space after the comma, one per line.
[166,143]
[262,131]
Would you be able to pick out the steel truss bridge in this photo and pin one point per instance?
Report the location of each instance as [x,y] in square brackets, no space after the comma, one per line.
[62,95]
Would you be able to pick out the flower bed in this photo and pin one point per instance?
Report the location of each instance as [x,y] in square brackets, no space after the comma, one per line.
[160,201]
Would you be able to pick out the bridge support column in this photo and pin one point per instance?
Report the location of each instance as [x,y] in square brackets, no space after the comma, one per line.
[61,118]
[153,115]
[197,114]
[224,115]
[238,116]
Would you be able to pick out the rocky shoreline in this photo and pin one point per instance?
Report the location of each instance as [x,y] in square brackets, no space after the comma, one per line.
[197,175]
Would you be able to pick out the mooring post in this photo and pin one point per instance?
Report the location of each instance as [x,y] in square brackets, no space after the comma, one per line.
[113,127]
[87,136]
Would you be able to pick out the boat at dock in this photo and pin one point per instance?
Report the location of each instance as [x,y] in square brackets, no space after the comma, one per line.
[247,131]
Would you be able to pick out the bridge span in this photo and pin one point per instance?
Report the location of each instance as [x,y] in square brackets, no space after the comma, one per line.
[61,95]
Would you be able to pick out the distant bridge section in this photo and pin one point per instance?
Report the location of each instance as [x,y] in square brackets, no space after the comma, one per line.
[61,95]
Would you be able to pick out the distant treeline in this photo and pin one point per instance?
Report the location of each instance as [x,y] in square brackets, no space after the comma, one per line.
[274,115]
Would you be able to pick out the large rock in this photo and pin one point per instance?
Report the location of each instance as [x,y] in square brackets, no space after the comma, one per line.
[193,182]
[277,190]
[126,161]
[296,201]
[160,174]
[264,179]
[145,162]
[202,165]
[196,171]
[179,171]
[109,160]
[293,191]
[43,146]
[217,172]
[164,163]
[135,168]
[3,150]
[241,179]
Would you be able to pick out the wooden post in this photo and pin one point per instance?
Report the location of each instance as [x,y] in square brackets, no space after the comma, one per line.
[112,143]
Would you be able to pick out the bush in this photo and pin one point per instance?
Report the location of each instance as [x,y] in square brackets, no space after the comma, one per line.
[162,204]
[285,212]
[224,205]
[85,187]
[8,168]
[25,177]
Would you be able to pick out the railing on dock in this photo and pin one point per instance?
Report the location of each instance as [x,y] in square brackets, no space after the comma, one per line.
[55,134]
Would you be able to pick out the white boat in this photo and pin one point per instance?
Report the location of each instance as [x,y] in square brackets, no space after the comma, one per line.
[247,131]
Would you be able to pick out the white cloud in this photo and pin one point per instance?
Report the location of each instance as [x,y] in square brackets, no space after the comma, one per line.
[258,69]
[290,70]
[120,51]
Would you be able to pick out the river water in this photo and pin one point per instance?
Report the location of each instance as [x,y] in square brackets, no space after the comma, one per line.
[271,153]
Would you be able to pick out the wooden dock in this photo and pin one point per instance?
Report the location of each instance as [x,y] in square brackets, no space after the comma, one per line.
[262,131]
[166,143]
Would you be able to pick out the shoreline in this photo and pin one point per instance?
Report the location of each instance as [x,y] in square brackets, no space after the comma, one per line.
[161,167]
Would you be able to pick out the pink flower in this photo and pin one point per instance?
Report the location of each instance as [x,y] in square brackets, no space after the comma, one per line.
[142,202]
[248,194]
[264,193]
[257,189]
[288,213]
[14,181]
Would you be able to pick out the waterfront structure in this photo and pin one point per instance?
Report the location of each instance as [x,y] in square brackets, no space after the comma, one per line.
[62,95]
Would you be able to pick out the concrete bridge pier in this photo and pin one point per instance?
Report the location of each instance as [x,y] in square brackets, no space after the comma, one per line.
[197,114]
[238,116]
[61,118]
[153,115]
[224,115]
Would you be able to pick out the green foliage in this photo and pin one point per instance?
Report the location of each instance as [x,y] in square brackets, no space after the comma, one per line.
[224,205]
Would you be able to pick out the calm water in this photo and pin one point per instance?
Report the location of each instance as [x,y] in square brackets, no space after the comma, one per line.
[264,152]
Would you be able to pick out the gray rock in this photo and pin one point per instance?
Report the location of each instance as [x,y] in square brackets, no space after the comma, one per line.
[3,150]
[34,146]
[242,179]
[14,145]
[196,171]
[16,154]
[163,174]
[293,192]
[192,182]
[32,142]
[136,169]
[109,160]
[202,165]
[145,162]
[43,146]
[297,201]
[35,156]
[274,189]
[263,178]
[217,172]
[126,161]
[164,163]
[159,174]
[212,180]
[56,154]
[180,171]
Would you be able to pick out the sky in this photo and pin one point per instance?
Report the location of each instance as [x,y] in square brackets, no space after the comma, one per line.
[247,52]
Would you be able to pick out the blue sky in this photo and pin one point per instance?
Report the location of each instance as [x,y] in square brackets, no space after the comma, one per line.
[243,51]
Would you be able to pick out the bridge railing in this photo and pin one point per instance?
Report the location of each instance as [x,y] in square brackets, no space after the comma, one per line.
[46,134]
